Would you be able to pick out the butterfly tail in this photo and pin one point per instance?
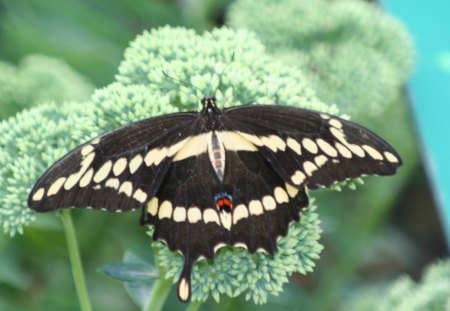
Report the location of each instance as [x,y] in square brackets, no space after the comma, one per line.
[184,282]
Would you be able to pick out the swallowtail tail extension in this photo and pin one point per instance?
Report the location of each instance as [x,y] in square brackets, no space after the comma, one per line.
[236,176]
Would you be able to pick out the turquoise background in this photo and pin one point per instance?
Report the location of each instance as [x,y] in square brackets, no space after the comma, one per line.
[429,23]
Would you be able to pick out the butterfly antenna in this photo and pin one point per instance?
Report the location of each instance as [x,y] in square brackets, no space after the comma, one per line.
[183,82]
[219,77]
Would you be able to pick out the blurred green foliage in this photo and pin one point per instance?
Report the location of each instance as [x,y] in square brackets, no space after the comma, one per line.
[91,34]
[38,79]
[352,55]
[431,293]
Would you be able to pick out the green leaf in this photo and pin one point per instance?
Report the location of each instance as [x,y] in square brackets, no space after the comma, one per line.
[132,269]
[137,275]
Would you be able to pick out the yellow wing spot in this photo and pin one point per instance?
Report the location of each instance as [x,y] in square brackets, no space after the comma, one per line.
[255,207]
[294,145]
[86,179]
[310,145]
[165,210]
[343,150]
[356,150]
[239,212]
[87,161]
[280,195]
[39,194]
[120,166]
[152,206]
[309,167]
[70,182]
[73,179]
[127,188]
[140,195]
[298,177]
[373,152]
[210,215]
[150,155]
[338,134]
[336,123]
[390,157]
[112,183]
[179,214]
[326,147]
[320,160]
[156,156]
[86,150]
[135,163]
[194,215]
[274,143]
[292,191]
[103,172]
[57,184]
[269,203]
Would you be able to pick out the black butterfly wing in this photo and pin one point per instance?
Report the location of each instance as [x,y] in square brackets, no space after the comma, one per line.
[264,204]
[117,171]
[311,148]
[186,217]
[184,214]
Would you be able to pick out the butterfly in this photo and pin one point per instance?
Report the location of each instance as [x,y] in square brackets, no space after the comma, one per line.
[236,176]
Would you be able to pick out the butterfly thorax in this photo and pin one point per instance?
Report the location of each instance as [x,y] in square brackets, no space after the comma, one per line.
[209,105]
[210,113]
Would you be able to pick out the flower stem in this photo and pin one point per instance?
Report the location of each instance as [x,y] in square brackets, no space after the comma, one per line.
[161,290]
[75,261]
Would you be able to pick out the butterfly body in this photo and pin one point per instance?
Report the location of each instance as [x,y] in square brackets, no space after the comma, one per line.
[236,176]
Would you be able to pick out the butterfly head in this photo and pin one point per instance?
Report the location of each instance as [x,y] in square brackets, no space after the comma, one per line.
[209,105]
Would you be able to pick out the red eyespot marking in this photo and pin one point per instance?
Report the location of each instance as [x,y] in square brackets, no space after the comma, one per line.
[224,202]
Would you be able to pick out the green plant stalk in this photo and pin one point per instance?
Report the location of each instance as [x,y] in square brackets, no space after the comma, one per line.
[160,290]
[75,261]
[159,294]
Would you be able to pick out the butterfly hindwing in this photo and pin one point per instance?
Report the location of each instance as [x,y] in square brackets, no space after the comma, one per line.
[264,204]
[184,214]
[117,171]
[188,217]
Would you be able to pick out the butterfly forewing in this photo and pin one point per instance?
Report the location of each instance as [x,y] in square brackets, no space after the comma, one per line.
[310,148]
[117,171]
